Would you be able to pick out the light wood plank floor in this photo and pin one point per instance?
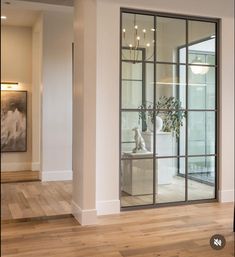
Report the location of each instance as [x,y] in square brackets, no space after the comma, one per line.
[182,231]
[173,192]
[35,199]
[19,176]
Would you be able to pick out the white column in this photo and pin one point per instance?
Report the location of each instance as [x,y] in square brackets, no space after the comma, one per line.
[226,148]
[36,92]
[84,112]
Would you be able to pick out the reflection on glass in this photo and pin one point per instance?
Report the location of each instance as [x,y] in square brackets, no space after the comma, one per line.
[201,49]
[130,122]
[202,90]
[137,37]
[201,133]
[198,30]
[131,94]
[171,33]
[202,53]
[171,81]
[132,71]
[137,84]
[159,103]
[170,131]
[201,178]
[136,180]
[171,184]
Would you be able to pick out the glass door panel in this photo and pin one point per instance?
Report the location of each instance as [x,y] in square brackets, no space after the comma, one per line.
[201,133]
[170,183]
[171,33]
[168,111]
[201,178]
[136,180]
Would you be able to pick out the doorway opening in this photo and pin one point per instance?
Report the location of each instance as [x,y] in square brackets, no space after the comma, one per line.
[36,162]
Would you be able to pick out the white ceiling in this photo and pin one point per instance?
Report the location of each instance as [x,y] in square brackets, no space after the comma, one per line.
[19,17]
[25,12]
[56,2]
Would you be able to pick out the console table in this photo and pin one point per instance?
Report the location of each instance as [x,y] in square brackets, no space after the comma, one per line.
[137,173]
[164,147]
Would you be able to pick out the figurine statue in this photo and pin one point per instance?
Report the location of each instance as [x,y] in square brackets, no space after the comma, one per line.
[139,142]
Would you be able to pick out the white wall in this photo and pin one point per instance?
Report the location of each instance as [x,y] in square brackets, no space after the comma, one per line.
[57,96]
[16,66]
[107,121]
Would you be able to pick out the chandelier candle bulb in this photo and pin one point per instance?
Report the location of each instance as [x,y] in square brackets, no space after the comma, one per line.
[124,33]
[140,41]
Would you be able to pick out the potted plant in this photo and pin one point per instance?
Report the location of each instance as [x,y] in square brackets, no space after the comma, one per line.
[168,109]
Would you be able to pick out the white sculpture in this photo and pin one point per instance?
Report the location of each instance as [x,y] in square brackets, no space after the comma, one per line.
[139,142]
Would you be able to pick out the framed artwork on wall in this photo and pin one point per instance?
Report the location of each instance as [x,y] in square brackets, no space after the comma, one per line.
[13,121]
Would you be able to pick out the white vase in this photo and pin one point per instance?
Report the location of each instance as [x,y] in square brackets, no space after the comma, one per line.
[158,124]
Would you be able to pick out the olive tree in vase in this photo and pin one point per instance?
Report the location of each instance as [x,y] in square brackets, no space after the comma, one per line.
[168,115]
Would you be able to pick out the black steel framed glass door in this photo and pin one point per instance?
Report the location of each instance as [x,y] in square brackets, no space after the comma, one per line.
[168,109]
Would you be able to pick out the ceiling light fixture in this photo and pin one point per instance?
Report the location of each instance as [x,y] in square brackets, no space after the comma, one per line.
[9,85]
[199,67]
[3,17]
[136,39]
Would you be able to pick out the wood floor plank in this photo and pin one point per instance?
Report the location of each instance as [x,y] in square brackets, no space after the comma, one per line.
[182,231]
[35,199]
[19,176]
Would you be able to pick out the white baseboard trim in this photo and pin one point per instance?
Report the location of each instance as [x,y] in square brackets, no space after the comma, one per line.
[35,166]
[56,175]
[226,196]
[84,217]
[108,207]
[16,166]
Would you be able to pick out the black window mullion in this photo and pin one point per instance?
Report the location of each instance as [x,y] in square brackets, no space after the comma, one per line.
[186,119]
[154,112]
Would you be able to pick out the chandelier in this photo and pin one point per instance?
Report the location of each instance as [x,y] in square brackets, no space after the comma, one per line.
[138,41]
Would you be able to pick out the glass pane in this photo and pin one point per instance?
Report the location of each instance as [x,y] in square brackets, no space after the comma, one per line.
[170,185]
[171,34]
[202,93]
[201,178]
[131,94]
[170,130]
[137,84]
[136,180]
[201,48]
[133,126]
[137,37]
[132,71]
[171,80]
[201,133]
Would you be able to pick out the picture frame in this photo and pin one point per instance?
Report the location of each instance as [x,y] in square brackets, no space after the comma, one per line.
[13,121]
